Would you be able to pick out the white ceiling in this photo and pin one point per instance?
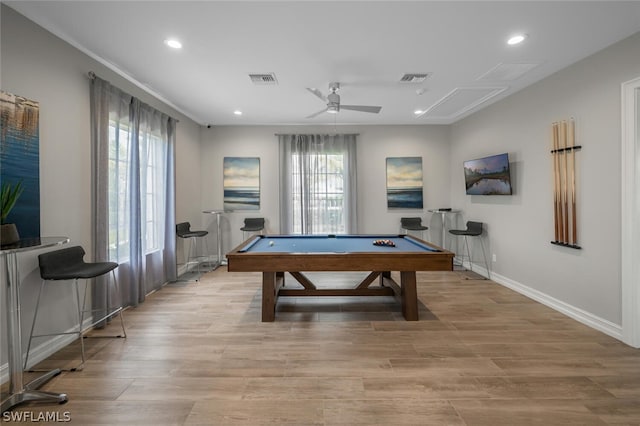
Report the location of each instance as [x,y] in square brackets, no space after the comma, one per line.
[365,45]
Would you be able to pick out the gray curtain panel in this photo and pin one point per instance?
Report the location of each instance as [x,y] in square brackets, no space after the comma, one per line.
[140,137]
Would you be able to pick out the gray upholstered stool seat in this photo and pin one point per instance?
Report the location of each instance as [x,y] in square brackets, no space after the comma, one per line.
[253,224]
[69,264]
[191,234]
[412,224]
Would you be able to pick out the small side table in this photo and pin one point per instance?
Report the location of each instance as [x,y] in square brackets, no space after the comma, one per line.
[443,218]
[18,391]
[217,214]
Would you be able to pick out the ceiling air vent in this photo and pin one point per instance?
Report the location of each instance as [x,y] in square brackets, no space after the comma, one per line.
[267,78]
[460,101]
[414,78]
[507,72]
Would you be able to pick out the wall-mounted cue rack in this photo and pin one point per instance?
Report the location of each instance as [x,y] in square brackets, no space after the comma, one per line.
[564,184]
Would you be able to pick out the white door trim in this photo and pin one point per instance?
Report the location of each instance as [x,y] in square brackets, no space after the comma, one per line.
[630,238]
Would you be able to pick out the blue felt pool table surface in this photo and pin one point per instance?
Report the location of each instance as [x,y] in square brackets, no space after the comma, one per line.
[334,244]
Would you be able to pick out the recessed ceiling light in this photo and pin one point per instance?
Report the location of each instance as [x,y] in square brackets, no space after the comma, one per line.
[237,112]
[516,39]
[418,112]
[173,43]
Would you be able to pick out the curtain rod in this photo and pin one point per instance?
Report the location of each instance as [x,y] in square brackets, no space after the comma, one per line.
[92,76]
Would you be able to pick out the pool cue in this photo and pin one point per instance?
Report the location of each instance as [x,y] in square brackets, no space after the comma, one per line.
[565,197]
[560,221]
[558,193]
[572,139]
[560,200]
[556,182]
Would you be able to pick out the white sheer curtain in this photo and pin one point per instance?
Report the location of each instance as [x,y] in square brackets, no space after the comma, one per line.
[133,177]
[318,184]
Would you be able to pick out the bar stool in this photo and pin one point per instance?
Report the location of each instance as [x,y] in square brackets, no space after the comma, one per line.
[474,229]
[412,224]
[68,264]
[183,230]
[252,224]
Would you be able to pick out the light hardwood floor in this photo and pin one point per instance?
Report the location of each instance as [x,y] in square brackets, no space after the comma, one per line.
[197,354]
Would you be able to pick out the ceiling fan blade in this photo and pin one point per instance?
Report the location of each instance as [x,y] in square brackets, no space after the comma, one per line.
[318,94]
[318,113]
[362,108]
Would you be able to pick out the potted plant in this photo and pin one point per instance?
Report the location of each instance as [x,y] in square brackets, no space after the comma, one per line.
[8,197]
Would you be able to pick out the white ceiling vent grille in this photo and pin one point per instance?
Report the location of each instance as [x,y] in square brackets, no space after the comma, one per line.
[414,78]
[461,100]
[507,72]
[264,78]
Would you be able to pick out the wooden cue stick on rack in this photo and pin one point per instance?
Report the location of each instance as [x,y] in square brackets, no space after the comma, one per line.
[561,179]
[565,183]
[556,182]
[560,227]
[572,139]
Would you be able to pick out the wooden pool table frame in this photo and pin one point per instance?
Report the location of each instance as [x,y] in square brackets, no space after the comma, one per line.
[273,265]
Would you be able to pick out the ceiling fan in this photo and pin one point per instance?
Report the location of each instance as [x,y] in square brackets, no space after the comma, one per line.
[333,102]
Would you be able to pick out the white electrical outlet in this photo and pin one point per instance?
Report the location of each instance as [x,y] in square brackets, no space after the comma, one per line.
[494,258]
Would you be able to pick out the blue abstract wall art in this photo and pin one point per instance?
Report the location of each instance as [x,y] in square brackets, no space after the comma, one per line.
[404,183]
[20,160]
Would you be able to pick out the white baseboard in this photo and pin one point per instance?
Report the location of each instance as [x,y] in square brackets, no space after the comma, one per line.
[182,269]
[44,350]
[580,315]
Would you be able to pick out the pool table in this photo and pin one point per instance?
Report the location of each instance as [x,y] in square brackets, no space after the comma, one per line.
[273,255]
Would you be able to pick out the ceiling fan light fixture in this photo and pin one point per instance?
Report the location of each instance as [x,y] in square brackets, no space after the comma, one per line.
[333,102]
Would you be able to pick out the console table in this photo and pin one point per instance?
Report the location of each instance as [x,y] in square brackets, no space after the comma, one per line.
[18,391]
[443,217]
[217,214]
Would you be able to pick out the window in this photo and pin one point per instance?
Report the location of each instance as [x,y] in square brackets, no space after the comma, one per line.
[320,192]
[151,178]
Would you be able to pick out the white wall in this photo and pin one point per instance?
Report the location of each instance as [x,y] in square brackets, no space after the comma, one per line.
[521,227]
[41,67]
[188,181]
[375,144]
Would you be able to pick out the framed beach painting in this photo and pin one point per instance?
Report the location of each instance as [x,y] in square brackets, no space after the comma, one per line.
[241,183]
[404,183]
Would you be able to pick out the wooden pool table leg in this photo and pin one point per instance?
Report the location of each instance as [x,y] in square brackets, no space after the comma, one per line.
[268,296]
[409,295]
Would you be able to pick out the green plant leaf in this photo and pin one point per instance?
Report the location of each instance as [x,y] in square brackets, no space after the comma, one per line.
[8,197]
